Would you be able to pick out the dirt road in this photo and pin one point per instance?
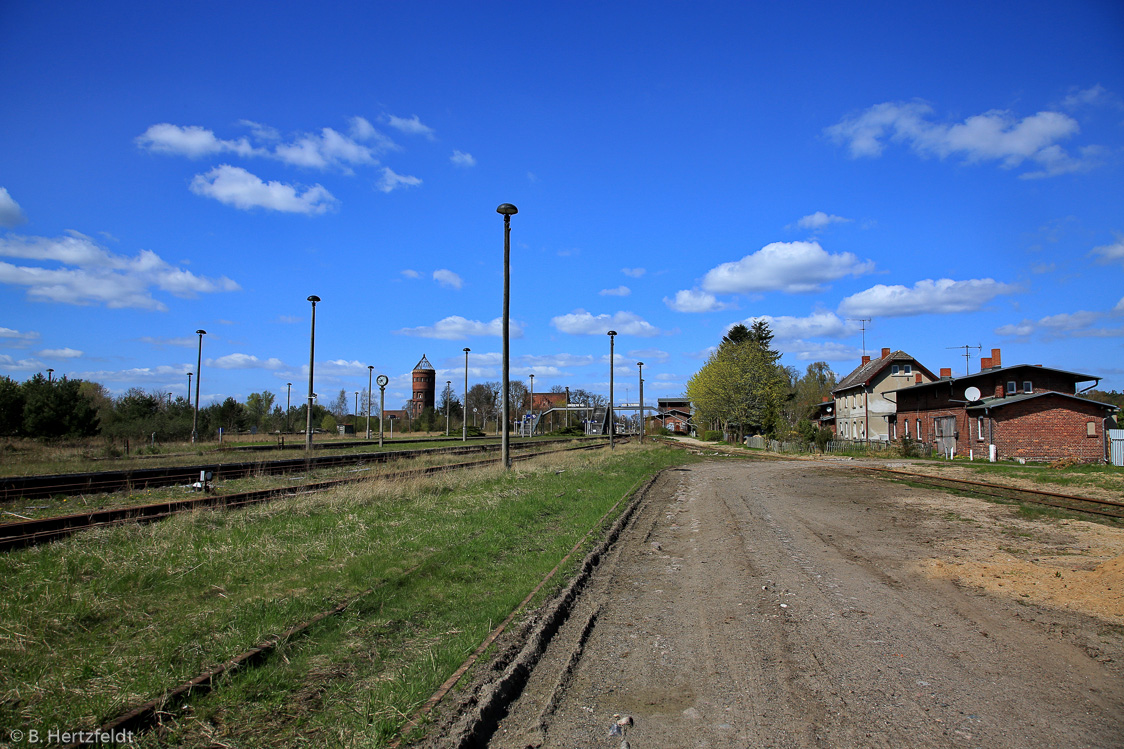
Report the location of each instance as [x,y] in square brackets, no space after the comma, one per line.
[768,604]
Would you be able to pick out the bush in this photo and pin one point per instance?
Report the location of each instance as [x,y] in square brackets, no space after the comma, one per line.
[570,431]
[475,431]
[908,447]
[823,436]
[712,436]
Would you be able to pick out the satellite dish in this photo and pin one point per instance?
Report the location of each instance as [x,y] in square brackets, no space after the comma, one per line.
[972,394]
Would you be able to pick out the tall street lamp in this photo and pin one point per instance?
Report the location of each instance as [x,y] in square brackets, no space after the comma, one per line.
[464,409]
[370,371]
[508,210]
[189,388]
[532,405]
[311,360]
[612,422]
[640,364]
[288,402]
[448,403]
[355,424]
[198,377]
[382,380]
[50,374]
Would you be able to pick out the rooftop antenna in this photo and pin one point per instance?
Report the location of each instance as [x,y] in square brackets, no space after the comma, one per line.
[967,354]
[863,321]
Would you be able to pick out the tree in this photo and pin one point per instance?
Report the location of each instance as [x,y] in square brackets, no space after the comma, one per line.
[328,424]
[738,333]
[11,407]
[741,388]
[818,381]
[258,406]
[54,409]
[483,399]
[339,405]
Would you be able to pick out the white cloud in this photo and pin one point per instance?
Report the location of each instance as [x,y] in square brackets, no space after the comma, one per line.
[995,135]
[619,291]
[184,341]
[10,212]
[460,158]
[693,300]
[20,365]
[411,126]
[650,356]
[60,353]
[146,374]
[819,351]
[192,141]
[1110,253]
[328,149]
[795,267]
[555,360]
[819,324]
[580,322]
[455,328]
[411,273]
[1078,324]
[98,276]
[819,219]
[11,334]
[447,278]
[1093,96]
[244,361]
[943,296]
[390,180]
[633,272]
[235,186]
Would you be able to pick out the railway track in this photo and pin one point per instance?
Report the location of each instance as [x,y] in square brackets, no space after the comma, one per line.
[70,484]
[1103,507]
[33,532]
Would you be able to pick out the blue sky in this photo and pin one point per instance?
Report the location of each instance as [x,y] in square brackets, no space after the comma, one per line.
[950,171]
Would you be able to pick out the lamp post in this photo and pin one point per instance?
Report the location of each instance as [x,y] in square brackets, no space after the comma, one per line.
[189,388]
[382,380]
[50,374]
[355,427]
[288,401]
[567,406]
[311,361]
[198,377]
[448,403]
[532,405]
[612,422]
[640,364]
[370,371]
[464,406]
[508,210]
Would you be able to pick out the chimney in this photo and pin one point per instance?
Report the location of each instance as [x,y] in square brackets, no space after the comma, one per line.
[985,363]
[917,377]
[826,399]
[946,373]
[996,361]
[885,352]
[866,360]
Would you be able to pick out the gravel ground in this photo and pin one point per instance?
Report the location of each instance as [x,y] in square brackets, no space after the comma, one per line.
[793,604]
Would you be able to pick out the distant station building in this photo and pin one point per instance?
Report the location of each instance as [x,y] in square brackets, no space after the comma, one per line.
[424,387]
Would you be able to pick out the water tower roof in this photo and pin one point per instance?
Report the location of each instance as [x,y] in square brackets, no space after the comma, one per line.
[423,364]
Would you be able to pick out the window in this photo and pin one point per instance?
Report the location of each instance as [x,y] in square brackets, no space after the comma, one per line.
[894,369]
[906,425]
[1091,429]
[1028,386]
[919,429]
[1012,387]
[908,369]
[980,428]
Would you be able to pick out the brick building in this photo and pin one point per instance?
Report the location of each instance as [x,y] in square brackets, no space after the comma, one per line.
[424,390]
[1024,411]
[674,414]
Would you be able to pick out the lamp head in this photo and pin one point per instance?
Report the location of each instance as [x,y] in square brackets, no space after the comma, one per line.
[201,332]
[507,209]
[612,332]
[314,299]
[640,364]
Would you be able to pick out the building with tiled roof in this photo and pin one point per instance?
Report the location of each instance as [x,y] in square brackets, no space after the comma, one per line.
[862,410]
[424,382]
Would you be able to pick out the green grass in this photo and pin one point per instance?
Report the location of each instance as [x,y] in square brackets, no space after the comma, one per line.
[112,617]
[1109,478]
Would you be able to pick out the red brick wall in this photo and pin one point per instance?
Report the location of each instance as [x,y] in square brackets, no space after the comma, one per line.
[1049,428]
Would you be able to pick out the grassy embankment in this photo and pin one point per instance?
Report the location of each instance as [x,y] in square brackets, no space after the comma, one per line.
[113,617]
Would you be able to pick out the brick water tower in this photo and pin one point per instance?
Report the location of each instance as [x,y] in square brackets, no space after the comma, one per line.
[425,387]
